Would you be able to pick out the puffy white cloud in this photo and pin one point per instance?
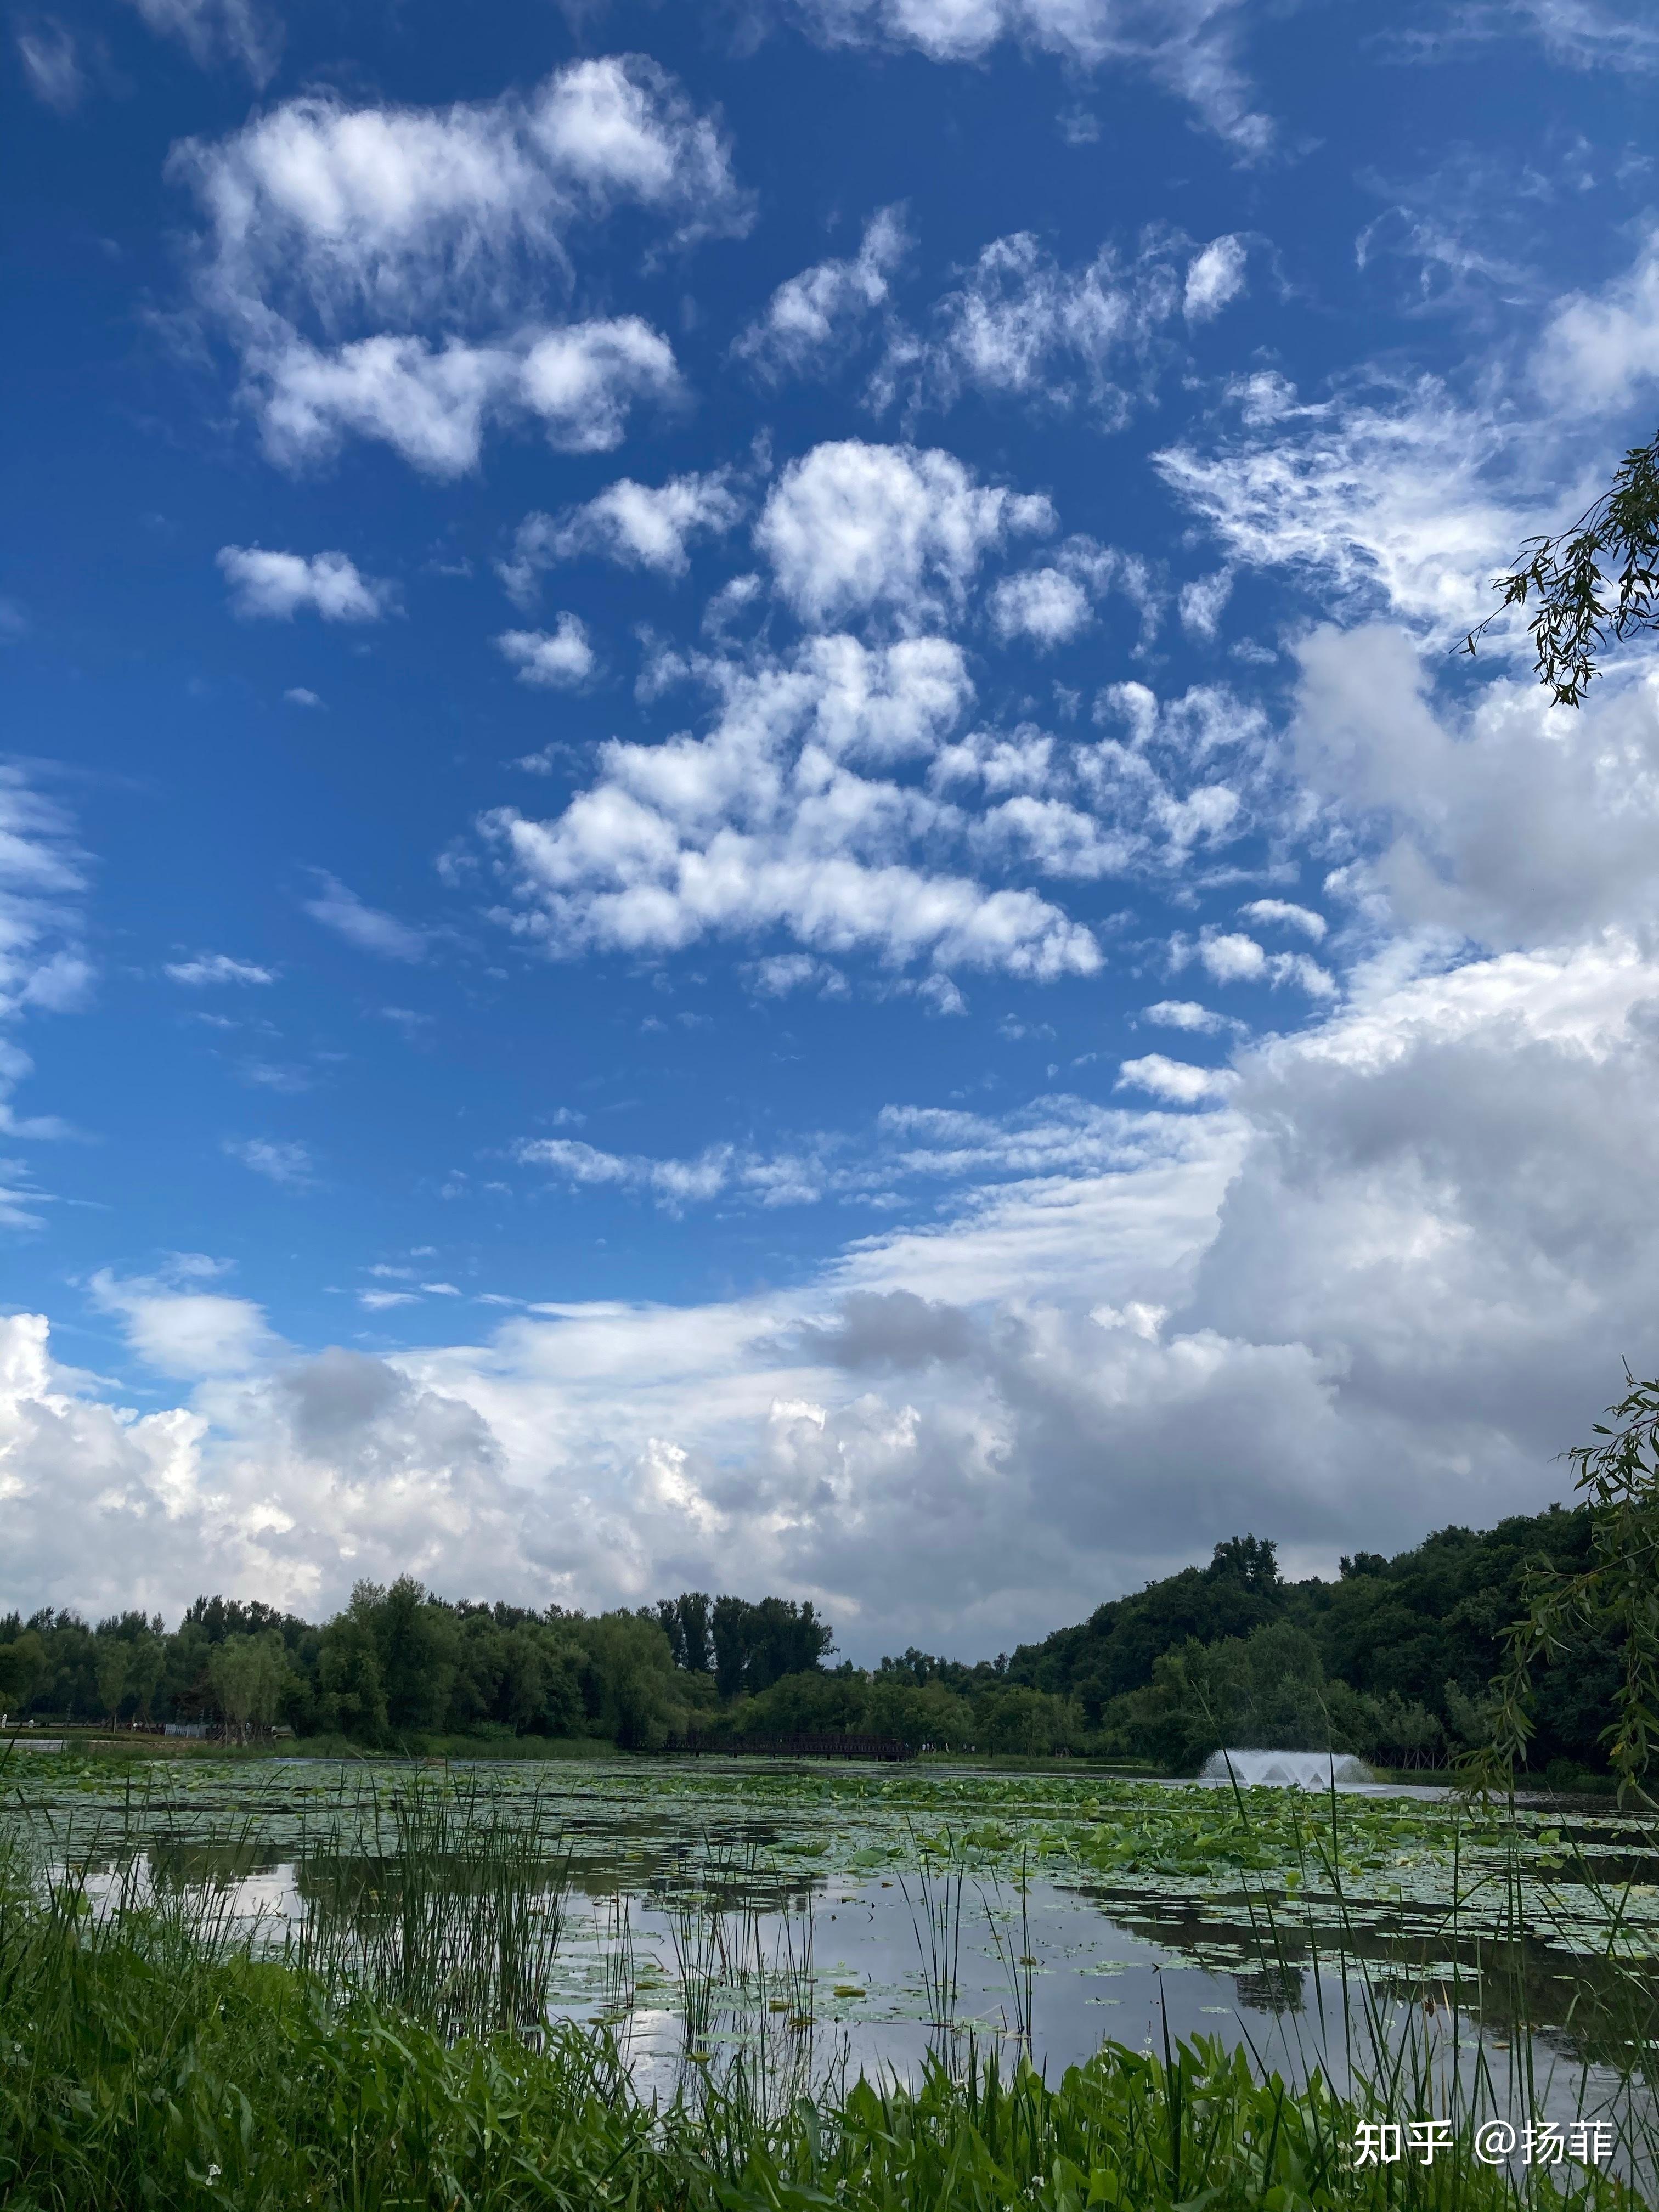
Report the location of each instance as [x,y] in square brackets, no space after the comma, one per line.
[281,1160]
[1379,1289]
[299,696]
[1215,279]
[853,527]
[1503,820]
[335,236]
[217,968]
[560,658]
[1044,605]
[1231,957]
[1187,1014]
[339,908]
[769,823]
[812,315]
[1269,913]
[279,585]
[638,525]
[216,31]
[1176,1080]
[432,403]
[318,209]
[182,1332]
[1599,349]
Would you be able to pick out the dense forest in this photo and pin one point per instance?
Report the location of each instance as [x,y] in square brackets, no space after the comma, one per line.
[1393,1660]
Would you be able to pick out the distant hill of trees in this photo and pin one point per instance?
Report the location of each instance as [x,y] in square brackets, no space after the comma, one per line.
[1393,1660]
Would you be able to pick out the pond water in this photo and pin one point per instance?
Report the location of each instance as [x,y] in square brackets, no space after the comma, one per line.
[834,1916]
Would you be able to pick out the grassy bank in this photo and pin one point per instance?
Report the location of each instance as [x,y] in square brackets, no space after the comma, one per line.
[143,2063]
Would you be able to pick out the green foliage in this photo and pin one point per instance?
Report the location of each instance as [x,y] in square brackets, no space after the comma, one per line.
[1612,1602]
[1596,583]
[143,2069]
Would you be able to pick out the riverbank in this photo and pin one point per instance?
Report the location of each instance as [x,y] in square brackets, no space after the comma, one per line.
[145,2066]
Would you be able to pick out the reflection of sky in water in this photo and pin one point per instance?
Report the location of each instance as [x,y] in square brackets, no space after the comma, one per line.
[772,1867]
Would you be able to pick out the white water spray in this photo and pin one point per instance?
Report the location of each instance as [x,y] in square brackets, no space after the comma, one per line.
[1289,1770]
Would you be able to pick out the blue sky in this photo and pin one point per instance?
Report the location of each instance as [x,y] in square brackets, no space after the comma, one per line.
[742,842]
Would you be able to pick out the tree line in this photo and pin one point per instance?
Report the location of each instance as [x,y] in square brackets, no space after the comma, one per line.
[1393,1660]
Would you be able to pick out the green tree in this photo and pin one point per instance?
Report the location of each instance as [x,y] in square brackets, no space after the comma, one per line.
[22,1662]
[1596,583]
[1613,1600]
[248,1674]
[112,1668]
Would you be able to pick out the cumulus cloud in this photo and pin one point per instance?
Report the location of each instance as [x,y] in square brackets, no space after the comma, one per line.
[852,528]
[813,315]
[1502,820]
[339,908]
[1187,1014]
[335,235]
[182,1331]
[559,659]
[1177,1080]
[780,819]
[1380,1287]
[276,586]
[637,525]
[1271,913]
[1230,957]
[1598,349]
[1044,605]
[217,968]
[432,403]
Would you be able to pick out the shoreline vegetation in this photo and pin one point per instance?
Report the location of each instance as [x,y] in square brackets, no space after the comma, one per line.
[1393,1661]
[153,2058]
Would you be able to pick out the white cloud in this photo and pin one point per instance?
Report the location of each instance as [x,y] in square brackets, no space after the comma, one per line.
[1185,45]
[280,1160]
[637,525]
[384,1300]
[854,527]
[1176,1080]
[1215,278]
[1021,325]
[184,1333]
[431,404]
[1202,602]
[217,968]
[560,658]
[769,823]
[1399,496]
[300,696]
[340,909]
[1187,1014]
[336,236]
[1044,605]
[813,315]
[279,585]
[51,63]
[1378,1290]
[1270,912]
[1600,350]
[215,31]
[1230,957]
[44,968]
[388,212]
[1504,821]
